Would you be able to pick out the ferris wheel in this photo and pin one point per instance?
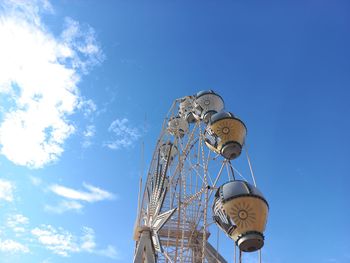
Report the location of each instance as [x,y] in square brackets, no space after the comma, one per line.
[192,184]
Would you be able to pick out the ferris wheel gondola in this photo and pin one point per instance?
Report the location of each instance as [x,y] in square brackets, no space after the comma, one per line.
[185,179]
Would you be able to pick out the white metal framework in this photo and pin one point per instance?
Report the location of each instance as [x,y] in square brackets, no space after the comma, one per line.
[175,208]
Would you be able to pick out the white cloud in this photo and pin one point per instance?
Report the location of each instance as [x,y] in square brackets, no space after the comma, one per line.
[88,239]
[6,190]
[38,81]
[17,223]
[90,131]
[11,246]
[56,239]
[93,194]
[36,181]
[88,244]
[28,10]
[64,243]
[88,134]
[88,107]
[59,241]
[64,206]
[74,200]
[124,134]
[86,53]
[109,252]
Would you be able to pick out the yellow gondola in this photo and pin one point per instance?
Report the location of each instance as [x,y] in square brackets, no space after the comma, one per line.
[241,210]
[225,135]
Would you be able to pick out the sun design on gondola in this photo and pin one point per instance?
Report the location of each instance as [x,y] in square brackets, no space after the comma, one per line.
[224,129]
[243,215]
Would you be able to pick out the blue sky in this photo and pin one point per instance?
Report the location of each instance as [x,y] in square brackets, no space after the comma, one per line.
[84,83]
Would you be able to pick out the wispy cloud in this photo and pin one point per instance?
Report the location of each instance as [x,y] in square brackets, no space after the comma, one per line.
[88,134]
[64,206]
[36,181]
[75,200]
[88,107]
[109,252]
[64,243]
[6,190]
[11,246]
[93,194]
[17,222]
[88,244]
[332,260]
[59,241]
[124,134]
[39,77]
[88,239]
[90,131]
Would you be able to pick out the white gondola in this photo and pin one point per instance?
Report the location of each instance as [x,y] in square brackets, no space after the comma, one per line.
[177,126]
[186,108]
[207,103]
